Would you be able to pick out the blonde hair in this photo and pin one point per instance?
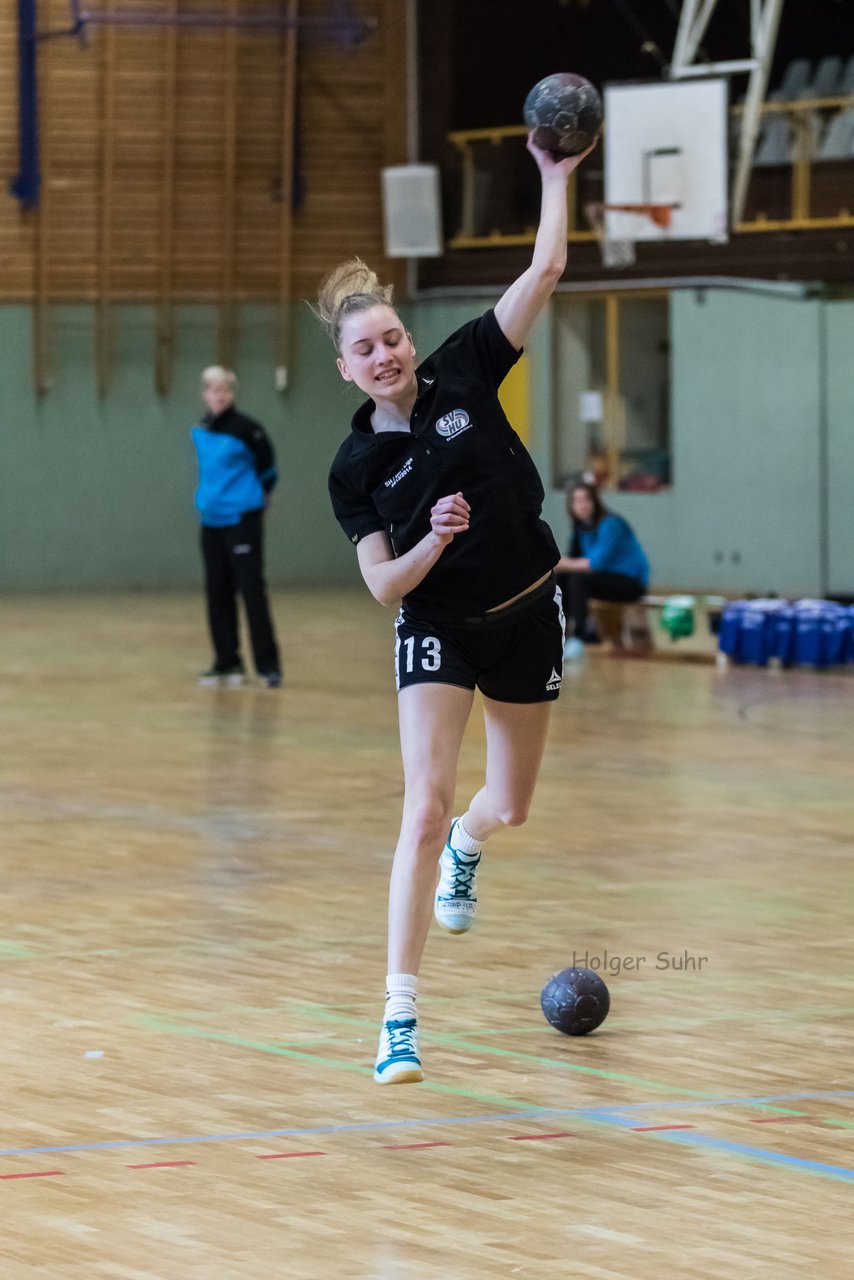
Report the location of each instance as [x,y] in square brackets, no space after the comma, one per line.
[351,287]
[218,373]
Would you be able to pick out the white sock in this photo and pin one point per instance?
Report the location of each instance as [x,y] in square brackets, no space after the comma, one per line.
[400,992]
[464,843]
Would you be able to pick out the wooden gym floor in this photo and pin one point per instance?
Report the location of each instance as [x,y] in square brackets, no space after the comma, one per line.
[193,955]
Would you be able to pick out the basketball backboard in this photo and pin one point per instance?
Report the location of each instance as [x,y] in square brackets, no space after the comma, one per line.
[666,144]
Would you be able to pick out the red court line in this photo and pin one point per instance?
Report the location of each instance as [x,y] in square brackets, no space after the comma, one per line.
[163,1164]
[415,1146]
[662,1128]
[541,1137]
[780,1119]
[49,1173]
[290,1155]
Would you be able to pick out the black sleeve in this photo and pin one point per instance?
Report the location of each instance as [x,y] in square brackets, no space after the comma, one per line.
[354,511]
[260,446]
[481,348]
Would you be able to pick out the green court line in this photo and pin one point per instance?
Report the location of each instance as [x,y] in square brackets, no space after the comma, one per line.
[453,1041]
[672,1023]
[15,950]
[432,1086]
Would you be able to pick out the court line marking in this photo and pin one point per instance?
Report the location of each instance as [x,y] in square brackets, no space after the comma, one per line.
[431,1086]
[669,1022]
[614,1116]
[817,1168]
[454,1041]
[291,1155]
[329,1015]
[761,1154]
[660,1128]
[163,1164]
[367,1126]
[737,1102]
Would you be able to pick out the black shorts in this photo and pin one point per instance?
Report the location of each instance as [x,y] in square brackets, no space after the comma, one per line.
[515,655]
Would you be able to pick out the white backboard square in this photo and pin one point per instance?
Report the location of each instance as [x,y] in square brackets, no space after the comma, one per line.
[666,143]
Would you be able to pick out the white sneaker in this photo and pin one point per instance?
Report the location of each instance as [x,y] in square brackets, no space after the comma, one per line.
[456,900]
[223,676]
[397,1058]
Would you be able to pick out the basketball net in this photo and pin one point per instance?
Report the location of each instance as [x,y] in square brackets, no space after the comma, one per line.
[620,251]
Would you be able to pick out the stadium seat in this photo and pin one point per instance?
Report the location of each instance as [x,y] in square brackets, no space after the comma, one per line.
[838,141]
[775,143]
[826,81]
[795,77]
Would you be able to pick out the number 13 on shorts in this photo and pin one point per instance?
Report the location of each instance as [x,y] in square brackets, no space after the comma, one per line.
[416,657]
[424,649]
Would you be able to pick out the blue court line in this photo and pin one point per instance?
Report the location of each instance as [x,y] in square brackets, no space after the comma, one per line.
[700,1103]
[366,1126]
[606,1115]
[834,1171]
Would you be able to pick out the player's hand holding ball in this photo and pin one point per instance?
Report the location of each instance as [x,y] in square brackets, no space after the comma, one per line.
[564,114]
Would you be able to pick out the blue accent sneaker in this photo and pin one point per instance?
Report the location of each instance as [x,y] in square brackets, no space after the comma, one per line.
[456,901]
[397,1060]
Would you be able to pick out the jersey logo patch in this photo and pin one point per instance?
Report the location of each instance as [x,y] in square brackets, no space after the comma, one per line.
[399,475]
[453,423]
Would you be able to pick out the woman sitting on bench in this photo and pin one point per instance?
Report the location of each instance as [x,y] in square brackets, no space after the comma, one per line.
[605,561]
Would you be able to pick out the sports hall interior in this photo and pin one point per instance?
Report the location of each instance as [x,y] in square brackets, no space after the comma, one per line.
[195,879]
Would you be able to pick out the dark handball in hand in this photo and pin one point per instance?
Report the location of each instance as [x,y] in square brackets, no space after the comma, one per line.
[564,112]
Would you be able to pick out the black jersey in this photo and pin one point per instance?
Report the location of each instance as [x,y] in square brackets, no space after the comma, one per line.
[459,441]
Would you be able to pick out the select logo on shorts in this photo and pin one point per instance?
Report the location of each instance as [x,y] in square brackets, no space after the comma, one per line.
[453,423]
[554,681]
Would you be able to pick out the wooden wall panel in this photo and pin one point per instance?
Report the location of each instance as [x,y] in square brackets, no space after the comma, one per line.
[345,137]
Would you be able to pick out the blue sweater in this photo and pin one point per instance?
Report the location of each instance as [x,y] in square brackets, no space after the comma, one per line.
[236,467]
[613,548]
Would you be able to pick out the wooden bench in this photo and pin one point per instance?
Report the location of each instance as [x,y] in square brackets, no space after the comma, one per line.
[629,629]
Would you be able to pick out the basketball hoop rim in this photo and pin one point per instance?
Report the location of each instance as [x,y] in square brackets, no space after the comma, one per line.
[659,213]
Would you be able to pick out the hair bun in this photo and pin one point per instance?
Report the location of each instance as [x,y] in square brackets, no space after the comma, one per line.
[352,286]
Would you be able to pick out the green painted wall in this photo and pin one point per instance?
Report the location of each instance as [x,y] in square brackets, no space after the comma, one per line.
[746,441]
[750,377]
[840,446]
[98,493]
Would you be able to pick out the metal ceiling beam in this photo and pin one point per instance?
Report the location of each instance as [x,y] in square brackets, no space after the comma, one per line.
[764,26]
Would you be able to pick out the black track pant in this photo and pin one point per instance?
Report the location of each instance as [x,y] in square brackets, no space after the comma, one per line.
[234,561]
[580,588]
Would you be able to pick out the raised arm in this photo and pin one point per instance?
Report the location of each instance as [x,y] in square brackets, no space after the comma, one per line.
[388,577]
[524,300]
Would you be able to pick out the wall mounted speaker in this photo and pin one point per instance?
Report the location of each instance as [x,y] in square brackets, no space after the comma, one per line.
[412,211]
